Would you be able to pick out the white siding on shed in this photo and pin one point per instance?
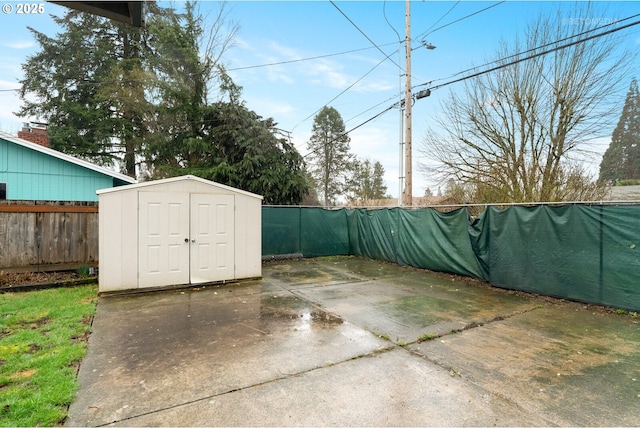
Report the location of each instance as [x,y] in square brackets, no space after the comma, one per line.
[147,230]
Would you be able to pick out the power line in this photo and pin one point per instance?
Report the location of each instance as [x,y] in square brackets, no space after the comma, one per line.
[460,19]
[384,14]
[341,93]
[292,61]
[360,79]
[389,56]
[465,77]
[440,19]
[376,46]
[535,55]
[375,106]
[537,48]
[557,48]
[367,37]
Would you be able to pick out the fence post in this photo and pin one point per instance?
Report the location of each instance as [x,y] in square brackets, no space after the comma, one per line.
[601,267]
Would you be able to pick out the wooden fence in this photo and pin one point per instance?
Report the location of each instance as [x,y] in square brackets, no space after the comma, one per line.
[43,235]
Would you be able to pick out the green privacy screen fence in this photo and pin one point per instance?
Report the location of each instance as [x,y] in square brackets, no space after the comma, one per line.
[579,252]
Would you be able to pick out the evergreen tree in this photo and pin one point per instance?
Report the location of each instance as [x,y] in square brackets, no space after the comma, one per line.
[237,147]
[367,182]
[379,189]
[113,94]
[330,160]
[621,161]
[109,91]
[86,82]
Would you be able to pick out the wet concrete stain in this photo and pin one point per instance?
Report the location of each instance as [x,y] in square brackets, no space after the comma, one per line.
[484,356]
[558,359]
[297,310]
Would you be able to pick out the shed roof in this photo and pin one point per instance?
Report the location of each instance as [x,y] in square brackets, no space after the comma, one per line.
[144,184]
[65,157]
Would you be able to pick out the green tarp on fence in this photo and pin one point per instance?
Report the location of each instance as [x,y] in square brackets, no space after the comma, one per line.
[313,232]
[586,253]
[552,251]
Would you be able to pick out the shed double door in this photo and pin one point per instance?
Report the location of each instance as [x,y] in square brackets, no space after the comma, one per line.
[185,238]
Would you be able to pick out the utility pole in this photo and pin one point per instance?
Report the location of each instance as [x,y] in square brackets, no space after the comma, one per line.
[408,181]
[400,131]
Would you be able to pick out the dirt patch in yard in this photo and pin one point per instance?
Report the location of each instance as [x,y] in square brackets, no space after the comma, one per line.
[16,279]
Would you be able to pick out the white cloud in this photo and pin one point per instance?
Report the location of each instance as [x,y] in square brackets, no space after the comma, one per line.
[7,85]
[275,75]
[376,86]
[327,73]
[18,44]
[283,52]
[268,107]
[320,72]
[9,102]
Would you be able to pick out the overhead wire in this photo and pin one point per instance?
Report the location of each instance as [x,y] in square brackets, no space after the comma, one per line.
[384,14]
[460,19]
[292,61]
[509,64]
[501,66]
[365,35]
[386,57]
[477,74]
[535,48]
[397,34]
[534,55]
[373,107]
[426,32]
[340,94]
[375,45]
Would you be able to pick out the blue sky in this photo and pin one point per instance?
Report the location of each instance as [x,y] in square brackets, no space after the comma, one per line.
[291,32]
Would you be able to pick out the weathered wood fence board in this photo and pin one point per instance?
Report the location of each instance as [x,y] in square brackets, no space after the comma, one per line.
[43,234]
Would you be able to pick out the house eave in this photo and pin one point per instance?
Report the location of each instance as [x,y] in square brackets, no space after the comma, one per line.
[67,158]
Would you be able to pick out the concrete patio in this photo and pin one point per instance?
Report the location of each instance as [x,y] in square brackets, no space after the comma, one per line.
[354,342]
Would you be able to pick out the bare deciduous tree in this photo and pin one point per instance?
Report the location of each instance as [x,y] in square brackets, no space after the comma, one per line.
[513,134]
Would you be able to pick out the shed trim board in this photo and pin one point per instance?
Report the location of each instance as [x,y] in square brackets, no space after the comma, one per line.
[156,183]
[177,231]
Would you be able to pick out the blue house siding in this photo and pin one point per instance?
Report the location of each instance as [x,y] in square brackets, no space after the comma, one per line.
[36,175]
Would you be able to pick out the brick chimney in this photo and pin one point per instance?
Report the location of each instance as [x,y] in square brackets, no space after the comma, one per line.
[36,133]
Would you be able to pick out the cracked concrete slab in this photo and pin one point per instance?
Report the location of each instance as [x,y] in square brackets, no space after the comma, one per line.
[565,360]
[348,341]
[392,388]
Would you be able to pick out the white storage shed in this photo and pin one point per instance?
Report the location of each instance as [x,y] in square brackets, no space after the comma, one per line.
[182,230]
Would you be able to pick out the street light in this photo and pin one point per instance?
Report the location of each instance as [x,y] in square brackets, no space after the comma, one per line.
[428,45]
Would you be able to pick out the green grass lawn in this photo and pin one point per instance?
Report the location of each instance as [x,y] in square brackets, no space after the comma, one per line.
[43,338]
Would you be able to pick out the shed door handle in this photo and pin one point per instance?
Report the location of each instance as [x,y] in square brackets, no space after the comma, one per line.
[186,239]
